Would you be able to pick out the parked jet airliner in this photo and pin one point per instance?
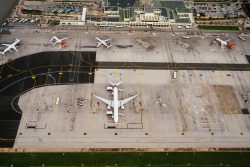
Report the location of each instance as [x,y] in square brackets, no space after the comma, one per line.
[115,103]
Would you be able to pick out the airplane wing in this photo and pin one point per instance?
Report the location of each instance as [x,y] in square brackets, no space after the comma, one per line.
[63,39]
[6,45]
[108,102]
[108,46]
[14,48]
[122,102]
[99,44]
[52,39]
[222,46]
[106,40]
[55,43]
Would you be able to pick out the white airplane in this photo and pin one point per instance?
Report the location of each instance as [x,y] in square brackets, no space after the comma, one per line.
[103,42]
[115,103]
[10,46]
[226,43]
[61,42]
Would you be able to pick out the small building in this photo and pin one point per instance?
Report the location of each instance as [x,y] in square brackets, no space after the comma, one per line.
[217,9]
[111,13]
[183,12]
[80,22]
[150,14]
[111,10]
[84,14]
[177,12]
[247,24]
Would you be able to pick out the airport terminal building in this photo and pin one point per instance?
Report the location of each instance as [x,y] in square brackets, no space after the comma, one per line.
[113,13]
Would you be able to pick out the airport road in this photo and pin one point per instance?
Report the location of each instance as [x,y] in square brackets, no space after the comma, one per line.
[114,28]
[174,66]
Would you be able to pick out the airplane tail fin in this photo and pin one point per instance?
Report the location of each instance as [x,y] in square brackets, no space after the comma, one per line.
[115,84]
[62,45]
[63,39]
[15,48]
[231,46]
[7,45]
[109,46]
[98,44]
[52,39]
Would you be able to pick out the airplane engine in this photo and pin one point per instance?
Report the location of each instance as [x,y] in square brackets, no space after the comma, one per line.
[109,88]
[108,107]
[122,107]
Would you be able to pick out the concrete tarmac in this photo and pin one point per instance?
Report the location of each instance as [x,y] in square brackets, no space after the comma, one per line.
[202,108]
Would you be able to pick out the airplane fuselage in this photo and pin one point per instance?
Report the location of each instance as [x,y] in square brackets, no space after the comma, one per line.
[15,43]
[221,41]
[116,105]
[226,43]
[58,40]
[103,42]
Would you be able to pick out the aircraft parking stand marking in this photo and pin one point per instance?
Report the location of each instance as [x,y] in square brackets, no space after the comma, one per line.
[141,100]
[196,76]
[94,100]
[87,108]
[54,106]
[60,75]
[185,122]
[91,108]
[181,129]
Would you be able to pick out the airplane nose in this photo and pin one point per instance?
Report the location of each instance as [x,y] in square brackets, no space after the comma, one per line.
[116,121]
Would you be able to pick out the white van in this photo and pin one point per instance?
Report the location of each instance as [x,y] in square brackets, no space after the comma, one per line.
[119,26]
[174,74]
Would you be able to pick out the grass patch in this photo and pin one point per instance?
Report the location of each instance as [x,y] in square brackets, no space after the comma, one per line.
[53,22]
[235,159]
[233,28]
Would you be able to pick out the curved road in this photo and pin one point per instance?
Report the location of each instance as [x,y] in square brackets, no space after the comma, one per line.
[24,74]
